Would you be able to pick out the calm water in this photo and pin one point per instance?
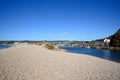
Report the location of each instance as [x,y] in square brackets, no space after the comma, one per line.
[105,54]
[2,46]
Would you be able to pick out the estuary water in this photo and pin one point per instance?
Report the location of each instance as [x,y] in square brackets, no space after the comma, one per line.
[2,46]
[112,55]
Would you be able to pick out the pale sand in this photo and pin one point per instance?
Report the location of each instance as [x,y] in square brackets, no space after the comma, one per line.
[32,62]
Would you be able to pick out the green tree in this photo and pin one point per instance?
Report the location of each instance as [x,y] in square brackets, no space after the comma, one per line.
[115,42]
[115,39]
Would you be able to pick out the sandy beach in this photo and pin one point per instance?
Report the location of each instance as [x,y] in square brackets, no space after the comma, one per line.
[33,62]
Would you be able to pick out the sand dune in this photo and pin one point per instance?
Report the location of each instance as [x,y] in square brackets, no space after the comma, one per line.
[32,62]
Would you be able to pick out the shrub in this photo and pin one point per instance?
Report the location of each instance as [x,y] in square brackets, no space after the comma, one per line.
[50,46]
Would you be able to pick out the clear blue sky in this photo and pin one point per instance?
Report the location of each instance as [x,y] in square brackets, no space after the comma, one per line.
[58,19]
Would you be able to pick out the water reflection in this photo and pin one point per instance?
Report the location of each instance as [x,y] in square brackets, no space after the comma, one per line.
[106,54]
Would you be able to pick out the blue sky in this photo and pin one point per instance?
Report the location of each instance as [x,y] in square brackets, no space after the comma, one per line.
[58,19]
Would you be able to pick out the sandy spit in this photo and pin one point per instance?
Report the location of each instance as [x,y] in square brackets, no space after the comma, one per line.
[32,62]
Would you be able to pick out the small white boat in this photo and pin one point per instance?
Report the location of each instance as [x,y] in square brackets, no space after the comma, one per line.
[88,47]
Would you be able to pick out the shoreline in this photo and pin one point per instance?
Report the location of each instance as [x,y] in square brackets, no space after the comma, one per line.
[33,62]
[107,48]
[96,55]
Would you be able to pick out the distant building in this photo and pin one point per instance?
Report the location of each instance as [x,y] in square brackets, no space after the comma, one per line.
[106,42]
[99,42]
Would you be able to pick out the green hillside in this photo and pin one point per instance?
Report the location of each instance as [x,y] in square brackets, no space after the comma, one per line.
[115,39]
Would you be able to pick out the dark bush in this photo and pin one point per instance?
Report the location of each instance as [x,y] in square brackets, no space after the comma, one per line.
[50,46]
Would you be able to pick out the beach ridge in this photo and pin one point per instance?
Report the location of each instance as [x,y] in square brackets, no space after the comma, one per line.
[33,62]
